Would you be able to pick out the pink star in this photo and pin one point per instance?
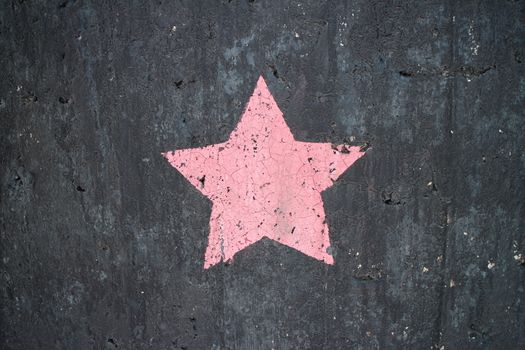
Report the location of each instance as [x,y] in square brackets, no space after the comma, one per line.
[264,183]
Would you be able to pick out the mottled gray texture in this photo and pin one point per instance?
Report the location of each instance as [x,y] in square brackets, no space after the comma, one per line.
[102,241]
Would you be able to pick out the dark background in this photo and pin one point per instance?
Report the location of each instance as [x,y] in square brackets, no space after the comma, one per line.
[102,241]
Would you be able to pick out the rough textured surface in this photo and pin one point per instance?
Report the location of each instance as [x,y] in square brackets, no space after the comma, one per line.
[102,242]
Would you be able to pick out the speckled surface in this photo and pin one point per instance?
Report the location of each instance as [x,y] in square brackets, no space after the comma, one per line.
[102,241]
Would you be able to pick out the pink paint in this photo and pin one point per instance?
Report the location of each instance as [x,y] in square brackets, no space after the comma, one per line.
[264,183]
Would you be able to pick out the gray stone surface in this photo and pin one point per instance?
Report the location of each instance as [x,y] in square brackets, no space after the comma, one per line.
[102,241]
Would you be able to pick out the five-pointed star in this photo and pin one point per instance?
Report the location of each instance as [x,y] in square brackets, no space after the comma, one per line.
[264,183]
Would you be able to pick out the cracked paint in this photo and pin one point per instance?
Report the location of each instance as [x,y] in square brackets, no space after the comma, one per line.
[264,183]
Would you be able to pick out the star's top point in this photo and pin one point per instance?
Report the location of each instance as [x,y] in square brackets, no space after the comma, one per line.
[261,83]
[262,118]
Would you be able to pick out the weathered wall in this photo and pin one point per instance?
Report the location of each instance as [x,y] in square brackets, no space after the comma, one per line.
[102,241]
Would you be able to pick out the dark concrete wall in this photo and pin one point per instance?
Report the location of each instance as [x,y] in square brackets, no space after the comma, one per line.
[102,241]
